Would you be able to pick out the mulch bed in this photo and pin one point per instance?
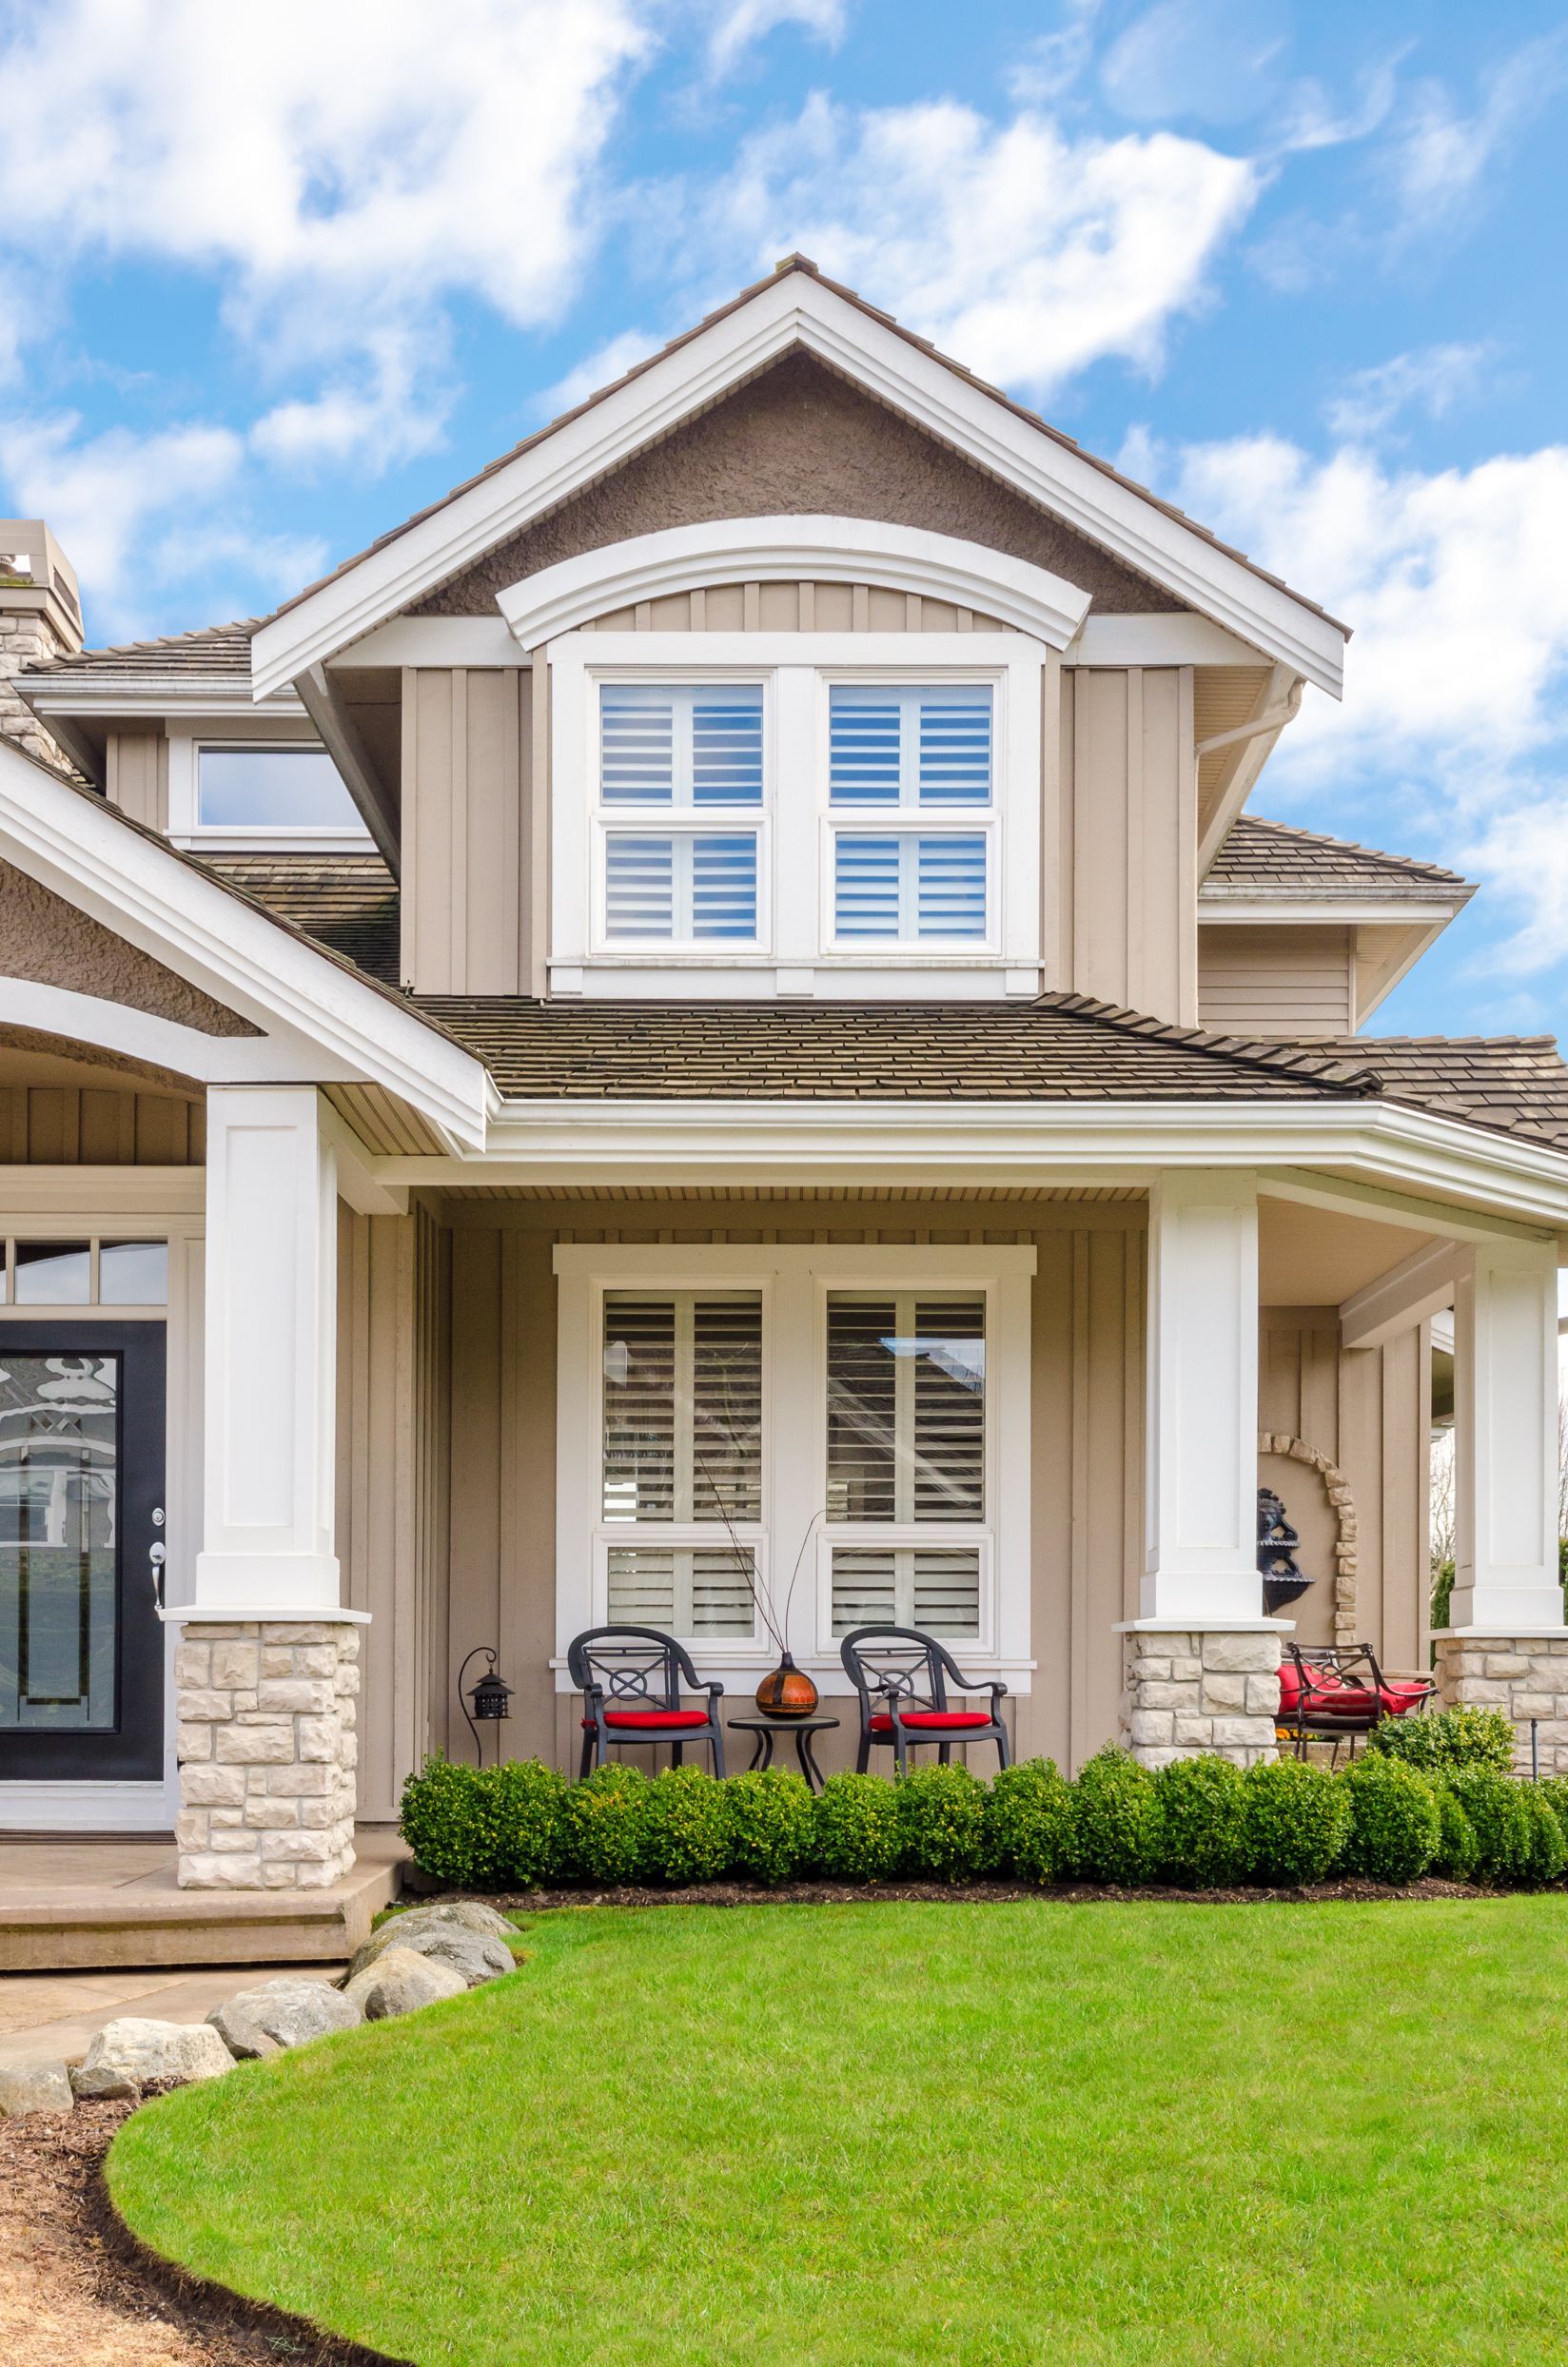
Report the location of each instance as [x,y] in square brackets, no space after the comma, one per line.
[77,2290]
[945,1894]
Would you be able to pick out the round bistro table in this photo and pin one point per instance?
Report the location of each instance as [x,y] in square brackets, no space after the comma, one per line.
[764,1729]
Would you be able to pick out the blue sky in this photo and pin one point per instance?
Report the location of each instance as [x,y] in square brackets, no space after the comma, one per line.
[273,276]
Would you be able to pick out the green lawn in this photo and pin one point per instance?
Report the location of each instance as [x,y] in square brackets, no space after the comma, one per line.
[915,2135]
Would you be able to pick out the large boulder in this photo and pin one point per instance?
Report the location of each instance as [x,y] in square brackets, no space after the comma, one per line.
[467,1914]
[33,2088]
[472,1953]
[399,1982]
[286,2012]
[131,2054]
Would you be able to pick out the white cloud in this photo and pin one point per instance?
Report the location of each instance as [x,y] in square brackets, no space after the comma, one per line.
[101,495]
[596,371]
[1047,67]
[1220,60]
[1439,156]
[1457,680]
[342,172]
[1432,381]
[393,408]
[739,24]
[1025,253]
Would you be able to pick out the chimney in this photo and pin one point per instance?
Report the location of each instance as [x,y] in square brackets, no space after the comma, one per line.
[40,620]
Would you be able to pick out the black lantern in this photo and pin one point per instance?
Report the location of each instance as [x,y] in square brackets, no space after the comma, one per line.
[491,1696]
[1284,1580]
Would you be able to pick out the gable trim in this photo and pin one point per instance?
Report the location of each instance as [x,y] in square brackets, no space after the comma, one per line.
[797,309]
[774,550]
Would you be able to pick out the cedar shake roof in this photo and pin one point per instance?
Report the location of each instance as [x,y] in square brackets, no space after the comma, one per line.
[1510,1085]
[1260,858]
[346,902]
[1060,1047]
[215,650]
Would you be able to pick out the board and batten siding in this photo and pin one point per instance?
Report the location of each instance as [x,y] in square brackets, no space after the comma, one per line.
[467,848]
[66,1126]
[1276,981]
[1120,911]
[136,776]
[794,608]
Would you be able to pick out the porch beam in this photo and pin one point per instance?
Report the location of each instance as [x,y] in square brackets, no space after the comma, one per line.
[1344,1196]
[1505,1381]
[357,1183]
[1420,1285]
[1201,1558]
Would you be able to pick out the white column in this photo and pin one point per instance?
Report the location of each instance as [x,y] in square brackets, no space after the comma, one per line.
[1201,1481]
[271,1325]
[1505,1409]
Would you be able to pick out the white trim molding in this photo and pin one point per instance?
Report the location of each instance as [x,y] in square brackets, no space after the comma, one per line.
[793,1282]
[793,310]
[774,549]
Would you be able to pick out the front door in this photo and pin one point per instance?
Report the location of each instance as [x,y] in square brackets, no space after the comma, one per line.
[81,1512]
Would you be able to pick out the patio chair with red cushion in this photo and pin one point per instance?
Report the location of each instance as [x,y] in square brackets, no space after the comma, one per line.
[901,1676]
[1339,1692]
[631,1680]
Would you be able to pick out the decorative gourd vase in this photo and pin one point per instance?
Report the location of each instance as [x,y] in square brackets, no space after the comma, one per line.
[786,1691]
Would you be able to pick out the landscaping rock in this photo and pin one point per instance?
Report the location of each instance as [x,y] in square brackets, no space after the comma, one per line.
[469,1914]
[400,1980]
[477,1957]
[33,2088]
[288,2012]
[131,2054]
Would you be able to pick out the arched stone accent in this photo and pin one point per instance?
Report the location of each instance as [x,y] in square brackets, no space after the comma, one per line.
[1338,1490]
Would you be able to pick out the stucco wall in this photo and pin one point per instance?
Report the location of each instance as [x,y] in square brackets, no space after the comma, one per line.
[46,940]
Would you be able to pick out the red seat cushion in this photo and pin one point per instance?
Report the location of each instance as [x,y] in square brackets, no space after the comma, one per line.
[655,1721]
[935,1721]
[1400,1696]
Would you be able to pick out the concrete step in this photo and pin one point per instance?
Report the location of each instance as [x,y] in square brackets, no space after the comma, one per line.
[68,1905]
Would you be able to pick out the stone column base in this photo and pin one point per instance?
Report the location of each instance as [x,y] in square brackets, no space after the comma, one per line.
[1525,1675]
[266,1748]
[1212,1692]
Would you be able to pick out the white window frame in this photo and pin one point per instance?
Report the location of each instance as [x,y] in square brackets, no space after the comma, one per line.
[795,1281]
[795,825]
[634,818]
[186,827]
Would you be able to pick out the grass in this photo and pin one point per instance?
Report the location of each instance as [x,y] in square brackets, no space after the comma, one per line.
[995,2134]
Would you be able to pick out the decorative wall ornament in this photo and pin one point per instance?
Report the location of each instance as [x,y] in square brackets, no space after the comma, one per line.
[1338,1490]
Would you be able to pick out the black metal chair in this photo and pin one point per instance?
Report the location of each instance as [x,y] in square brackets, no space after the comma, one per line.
[1337,1691]
[631,1680]
[906,1672]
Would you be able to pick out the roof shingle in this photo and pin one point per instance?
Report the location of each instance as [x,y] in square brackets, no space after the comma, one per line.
[348,902]
[212,650]
[1264,858]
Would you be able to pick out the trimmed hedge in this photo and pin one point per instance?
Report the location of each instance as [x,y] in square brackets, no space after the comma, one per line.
[1442,1741]
[1200,1823]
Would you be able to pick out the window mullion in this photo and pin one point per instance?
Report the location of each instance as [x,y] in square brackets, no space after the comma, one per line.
[682,887]
[682,750]
[683,1426]
[909,749]
[903,1420]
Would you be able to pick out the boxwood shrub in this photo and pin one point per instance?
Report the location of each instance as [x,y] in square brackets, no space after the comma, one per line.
[1446,1740]
[1203,1830]
[770,1823]
[1458,1849]
[686,1827]
[1028,1821]
[1395,1831]
[449,1819]
[941,1823]
[855,1829]
[1117,1822]
[605,1825]
[1297,1819]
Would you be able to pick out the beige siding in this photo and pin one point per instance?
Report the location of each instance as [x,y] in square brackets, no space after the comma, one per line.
[391,1513]
[1276,981]
[1127,875]
[71,1126]
[1087,1455]
[467,750]
[1365,1408]
[136,776]
[794,608]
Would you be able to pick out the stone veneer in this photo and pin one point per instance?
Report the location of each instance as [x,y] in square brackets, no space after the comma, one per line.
[1213,1691]
[1527,1676]
[266,1747]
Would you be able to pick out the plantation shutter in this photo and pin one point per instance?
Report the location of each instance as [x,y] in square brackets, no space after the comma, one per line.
[684,885]
[936,1588]
[907,886]
[682,1407]
[680,744]
[916,744]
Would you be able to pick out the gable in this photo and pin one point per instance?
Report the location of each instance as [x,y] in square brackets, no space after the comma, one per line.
[51,942]
[798,440]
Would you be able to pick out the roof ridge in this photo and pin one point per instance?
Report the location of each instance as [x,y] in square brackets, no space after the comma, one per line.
[1243,1051]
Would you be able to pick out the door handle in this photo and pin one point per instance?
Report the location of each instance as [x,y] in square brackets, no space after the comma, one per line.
[157,1555]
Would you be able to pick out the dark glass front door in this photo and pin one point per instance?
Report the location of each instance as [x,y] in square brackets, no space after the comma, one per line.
[80,1509]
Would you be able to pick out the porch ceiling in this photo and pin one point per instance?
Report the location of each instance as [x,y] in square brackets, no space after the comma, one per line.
[1311,1257]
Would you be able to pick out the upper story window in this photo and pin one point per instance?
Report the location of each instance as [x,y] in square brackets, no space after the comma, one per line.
[681,795]
[921,750]
[280,788]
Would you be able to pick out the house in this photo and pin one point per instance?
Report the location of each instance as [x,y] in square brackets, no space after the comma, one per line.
[711,1013]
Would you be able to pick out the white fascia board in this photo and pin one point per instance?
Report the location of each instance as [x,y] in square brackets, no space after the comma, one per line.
[1165,638]
[774,549]
[152,695]
[797,309]
[1222,908]
[148,895]
[435,642]
[1391,1147]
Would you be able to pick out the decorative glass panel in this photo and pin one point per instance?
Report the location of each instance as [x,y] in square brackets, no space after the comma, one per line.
[686,1590]
[687,887]
[905,1409]
[53,1272]
[936,1588]
[682,1407]
[59,1447]
[906,886]
[272,788]
[133,1273]
[669,743]
[920,744]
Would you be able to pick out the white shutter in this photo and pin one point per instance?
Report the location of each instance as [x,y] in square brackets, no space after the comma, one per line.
[865,746]
[911,744]
[637,744]
[686,1590]
[680,887]
[680,743]
[639,886]
[682,1407]
[867,872]
[908,886]
[723,887]
[726,729]
[953,724]
[934,1587]
[905,1409]
[951,886]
